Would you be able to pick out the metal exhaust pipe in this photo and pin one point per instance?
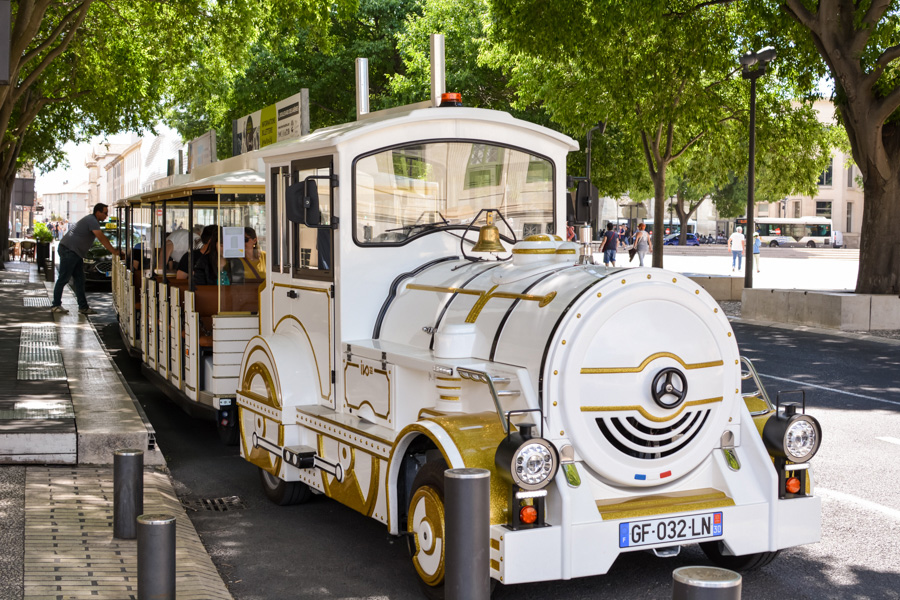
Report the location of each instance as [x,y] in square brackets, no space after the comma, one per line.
[438,70]
[362,87]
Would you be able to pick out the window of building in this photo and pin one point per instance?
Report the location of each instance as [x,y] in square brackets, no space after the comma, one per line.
[849,227]
[823,209]
[826,179]
[797,210]
[850,182]
[763,210]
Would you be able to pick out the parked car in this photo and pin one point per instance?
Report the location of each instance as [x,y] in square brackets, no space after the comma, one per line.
[672,240]
[98,261]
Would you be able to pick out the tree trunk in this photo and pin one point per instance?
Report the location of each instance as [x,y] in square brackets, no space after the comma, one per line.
[659,215]
[5,206]
[879,251]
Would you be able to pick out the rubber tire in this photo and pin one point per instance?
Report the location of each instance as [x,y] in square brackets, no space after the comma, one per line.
[742,564]
[431,474]
[773,244]
[229,434]
[810,244]
[283,493]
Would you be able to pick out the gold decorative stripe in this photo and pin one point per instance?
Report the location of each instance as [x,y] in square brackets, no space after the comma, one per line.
[448,387]
[534,251]
[449,378]
[663,504]
[495,565]
[647,361]
[539,237]
[451,398]
[483,296]
[566,251]
[495,544]
[646,414]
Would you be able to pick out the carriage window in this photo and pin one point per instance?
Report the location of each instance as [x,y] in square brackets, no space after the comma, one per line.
[418,189]
[311,247]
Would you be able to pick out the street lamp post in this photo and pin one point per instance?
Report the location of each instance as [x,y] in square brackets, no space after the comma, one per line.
[761,59]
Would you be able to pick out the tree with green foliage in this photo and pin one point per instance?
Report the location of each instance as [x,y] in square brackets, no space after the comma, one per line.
[79,69]
[295,55]
[643,66]
[858,44]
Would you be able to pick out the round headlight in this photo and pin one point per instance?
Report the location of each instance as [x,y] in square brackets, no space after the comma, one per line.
[529,462]
[801,440]
[533,464]
[791,436]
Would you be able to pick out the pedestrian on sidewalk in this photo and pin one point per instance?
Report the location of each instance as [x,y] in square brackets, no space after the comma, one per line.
[72,249]
[642,243]
[756,244]
[737,244]
[609,245]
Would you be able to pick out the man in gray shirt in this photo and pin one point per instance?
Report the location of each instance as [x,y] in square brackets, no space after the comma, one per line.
[72,250]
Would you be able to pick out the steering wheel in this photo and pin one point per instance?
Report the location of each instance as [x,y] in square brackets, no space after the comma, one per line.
[669,388]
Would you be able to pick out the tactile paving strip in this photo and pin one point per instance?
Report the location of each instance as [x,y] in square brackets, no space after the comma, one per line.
[36,301]
[39,354]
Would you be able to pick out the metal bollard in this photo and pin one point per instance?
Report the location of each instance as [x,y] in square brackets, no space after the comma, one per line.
[467,514]
[128,492]
[705,583]
[156,557]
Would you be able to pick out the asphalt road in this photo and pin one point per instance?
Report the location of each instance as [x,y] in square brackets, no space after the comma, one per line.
[322,550]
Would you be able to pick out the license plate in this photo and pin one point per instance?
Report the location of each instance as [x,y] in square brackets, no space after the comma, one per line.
[663,531]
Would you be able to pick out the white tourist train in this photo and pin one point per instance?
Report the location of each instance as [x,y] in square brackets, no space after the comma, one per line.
[382,346]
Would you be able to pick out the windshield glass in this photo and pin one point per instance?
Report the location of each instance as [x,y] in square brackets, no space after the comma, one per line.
[409,191]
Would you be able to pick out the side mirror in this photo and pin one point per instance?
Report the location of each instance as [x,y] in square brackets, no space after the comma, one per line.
[585,203]
[302,203]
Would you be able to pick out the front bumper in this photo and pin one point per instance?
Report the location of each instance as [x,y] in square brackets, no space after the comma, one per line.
[585,549]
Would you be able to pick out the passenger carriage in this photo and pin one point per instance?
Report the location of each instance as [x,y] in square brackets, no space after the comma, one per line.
[189,337]
[391,346]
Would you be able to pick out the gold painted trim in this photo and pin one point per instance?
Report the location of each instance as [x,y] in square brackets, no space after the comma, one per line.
[258,368]
[646,414]
[495,565]
[448,387]
[450,398]
[540,237]
[647,361]
[483,296]
[662,504]
[566,251]
[495,544]
[386,416]
[534,251]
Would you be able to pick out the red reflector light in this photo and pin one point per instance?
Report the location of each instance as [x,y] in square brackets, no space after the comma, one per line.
[792,485]
[528,514]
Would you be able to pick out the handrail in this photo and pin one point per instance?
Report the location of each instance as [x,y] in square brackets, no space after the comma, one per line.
[751,372]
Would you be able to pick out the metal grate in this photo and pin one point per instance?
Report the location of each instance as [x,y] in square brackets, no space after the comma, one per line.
[225,504]
[37,409]
[39,354]
[36,301]
[10,281]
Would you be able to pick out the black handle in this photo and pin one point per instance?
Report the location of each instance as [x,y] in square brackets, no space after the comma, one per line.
[292,294]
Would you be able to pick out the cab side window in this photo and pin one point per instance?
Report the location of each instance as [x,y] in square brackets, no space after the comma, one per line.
[312,248]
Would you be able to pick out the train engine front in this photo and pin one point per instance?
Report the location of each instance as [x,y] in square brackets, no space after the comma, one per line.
[613,407]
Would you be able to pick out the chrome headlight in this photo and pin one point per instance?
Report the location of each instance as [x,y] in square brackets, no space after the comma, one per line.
[792,436]
[528,462]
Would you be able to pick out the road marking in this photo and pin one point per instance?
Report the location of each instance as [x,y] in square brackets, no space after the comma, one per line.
[828,389]
[867,504]
[890,440]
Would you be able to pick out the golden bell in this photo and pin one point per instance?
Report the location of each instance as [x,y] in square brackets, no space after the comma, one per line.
[489,237]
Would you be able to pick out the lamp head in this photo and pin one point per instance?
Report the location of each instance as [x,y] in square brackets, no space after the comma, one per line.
[749,59]
[767,54]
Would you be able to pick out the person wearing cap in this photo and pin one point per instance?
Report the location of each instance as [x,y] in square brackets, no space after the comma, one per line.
[756,244]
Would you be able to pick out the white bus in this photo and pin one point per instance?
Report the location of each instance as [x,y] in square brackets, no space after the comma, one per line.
[805,231]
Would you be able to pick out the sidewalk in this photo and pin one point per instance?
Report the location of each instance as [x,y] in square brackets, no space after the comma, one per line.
[63,412]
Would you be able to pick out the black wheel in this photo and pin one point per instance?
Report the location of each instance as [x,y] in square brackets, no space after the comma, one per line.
[226,426]
[773,244]
[425,521]
[284,493]
[747,562]
[810,244]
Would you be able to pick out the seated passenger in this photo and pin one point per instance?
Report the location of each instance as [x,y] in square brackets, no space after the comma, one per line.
[213,268]
[178,243]
[184,264]
[253,265]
